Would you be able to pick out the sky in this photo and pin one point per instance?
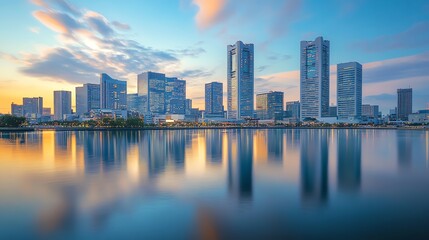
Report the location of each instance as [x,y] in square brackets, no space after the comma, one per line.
[48,45]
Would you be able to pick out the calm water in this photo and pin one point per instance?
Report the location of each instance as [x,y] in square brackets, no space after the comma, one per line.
[209,184]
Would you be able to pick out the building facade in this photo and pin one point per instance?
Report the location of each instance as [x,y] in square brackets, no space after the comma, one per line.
[270,105]
[32,107]
[349,91]
[240,76]
[87,98]
[293,109]
[151,86]
[62,104]
[314,78]
[17,110]
[214,99]
[113,93]
[175,95]
[405,103]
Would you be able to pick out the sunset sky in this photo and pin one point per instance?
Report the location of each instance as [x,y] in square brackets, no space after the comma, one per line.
[48,45]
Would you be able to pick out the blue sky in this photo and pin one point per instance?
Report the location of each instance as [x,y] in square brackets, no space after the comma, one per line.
[48,45]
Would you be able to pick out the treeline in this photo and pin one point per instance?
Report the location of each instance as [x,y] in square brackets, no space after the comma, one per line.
[105,122]
[11,121]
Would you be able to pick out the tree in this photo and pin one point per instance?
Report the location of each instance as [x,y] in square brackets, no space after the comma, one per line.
[11,121]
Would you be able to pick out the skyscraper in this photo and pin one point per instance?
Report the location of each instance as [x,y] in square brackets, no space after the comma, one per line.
[175,95]
[294,109]
[151,86]
[405,103]
[240,80]
[17,110]
[349,91]
[270,105]
[62,104]
[214,98]
[314,78]
[113,93]
[32,107]
[87,98]
[135,103]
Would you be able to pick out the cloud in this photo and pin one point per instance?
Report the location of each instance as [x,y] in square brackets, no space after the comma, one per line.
[416,36]
[89,44]
[209,12]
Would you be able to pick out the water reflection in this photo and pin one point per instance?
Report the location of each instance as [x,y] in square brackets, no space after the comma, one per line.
[90,184]
[349,160]
[314,166]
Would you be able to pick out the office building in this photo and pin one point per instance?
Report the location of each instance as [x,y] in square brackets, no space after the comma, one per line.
[17,110]
[113,93]
[175,95]
[47,111]
[333,111]
[270,105]
[240,76]
[349,91]
[293,109]
[405,103]
[151,86]
[314,78]
[370,111]
[214,99]
[62,104]
[32,107]
[135,103]
[87,98]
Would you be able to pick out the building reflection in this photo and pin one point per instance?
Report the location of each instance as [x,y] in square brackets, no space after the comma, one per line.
[275,145]
[404,148]
[349,160]
[213,140]
[314,166]
[240,164]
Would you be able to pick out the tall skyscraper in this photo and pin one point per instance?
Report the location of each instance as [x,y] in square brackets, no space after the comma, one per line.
[151,86]
[314,78]
[135,103]
[32,107]
[62,104]
[214,98]
[17,110]
[270,105]
[405,103]
[240,74]
[87,98]
[349,91]
[175,95]
[113,93]
[294,109]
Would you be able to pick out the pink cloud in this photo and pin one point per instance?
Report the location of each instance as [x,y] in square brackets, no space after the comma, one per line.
[209,12]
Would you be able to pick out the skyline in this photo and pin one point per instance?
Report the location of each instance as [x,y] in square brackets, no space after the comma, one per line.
[58,45]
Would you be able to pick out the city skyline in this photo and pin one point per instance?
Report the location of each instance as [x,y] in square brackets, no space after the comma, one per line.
[34,61]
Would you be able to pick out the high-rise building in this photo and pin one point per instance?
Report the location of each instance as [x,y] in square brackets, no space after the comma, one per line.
[270,105]
[349,91]
[62,104]
[151,86]
[135,103]
[214,99]
[87,98]
[240,74]
[293,108]
[370,111]
[405,103]
[32,107]
[333,111]
[175,95]
[17,110]
[47,111]
[188,106]
[314,78]
[113,93]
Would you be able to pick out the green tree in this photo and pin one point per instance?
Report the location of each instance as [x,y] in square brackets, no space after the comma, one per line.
[11,121]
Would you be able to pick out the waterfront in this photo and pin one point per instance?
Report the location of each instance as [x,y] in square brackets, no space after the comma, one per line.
[217,183]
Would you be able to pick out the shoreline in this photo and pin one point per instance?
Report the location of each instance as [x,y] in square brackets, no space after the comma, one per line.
[62,129]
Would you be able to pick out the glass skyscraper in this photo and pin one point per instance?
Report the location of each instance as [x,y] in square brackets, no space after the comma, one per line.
[87,98]
[113,93]
[175,95]
[240,74]
[151,86]
[314,78]
[270,105]
[62,104]
[405,103]
[293,108]
[214,98]
[32,107]
[349,91]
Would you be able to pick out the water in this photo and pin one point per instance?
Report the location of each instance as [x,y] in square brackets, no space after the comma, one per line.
[211,184]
